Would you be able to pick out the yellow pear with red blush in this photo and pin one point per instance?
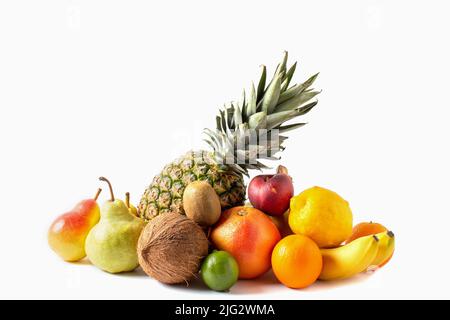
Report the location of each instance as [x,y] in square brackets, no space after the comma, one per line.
[67,234]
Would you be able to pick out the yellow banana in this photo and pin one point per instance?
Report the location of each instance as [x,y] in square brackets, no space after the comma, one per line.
[346,261]
[386,247]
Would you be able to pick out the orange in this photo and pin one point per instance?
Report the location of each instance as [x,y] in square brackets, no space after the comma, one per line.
[249,236]
[296,261]
[365,229]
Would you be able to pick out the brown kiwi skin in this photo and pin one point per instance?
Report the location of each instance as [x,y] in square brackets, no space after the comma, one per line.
[201,203]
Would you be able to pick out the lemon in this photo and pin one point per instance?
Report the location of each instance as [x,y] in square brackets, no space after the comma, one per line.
[322,215]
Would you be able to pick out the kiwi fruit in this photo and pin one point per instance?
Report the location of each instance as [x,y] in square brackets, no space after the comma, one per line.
[201,203]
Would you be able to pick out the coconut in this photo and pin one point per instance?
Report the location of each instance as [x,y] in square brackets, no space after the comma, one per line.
[171,248]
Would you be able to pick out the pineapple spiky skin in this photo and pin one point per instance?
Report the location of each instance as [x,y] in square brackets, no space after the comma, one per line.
[165,193]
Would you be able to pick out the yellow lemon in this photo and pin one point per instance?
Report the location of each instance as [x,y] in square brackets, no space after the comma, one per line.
[322,215]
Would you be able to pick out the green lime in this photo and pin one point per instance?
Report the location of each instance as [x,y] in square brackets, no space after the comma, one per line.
[220,271]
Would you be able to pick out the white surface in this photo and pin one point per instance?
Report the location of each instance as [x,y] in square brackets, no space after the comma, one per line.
[90,88]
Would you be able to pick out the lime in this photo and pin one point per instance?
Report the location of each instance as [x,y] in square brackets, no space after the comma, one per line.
[220,271]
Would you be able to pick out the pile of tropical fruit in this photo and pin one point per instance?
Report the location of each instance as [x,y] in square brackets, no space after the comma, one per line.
[193,220]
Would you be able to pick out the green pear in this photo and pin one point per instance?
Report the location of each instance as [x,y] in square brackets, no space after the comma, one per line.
[111,244]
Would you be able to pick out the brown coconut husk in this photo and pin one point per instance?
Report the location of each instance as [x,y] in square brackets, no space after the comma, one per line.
[171,248]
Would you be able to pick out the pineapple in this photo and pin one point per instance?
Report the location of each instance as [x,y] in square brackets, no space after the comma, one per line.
[246,131]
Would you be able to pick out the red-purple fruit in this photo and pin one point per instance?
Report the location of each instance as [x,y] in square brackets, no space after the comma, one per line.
[271,193]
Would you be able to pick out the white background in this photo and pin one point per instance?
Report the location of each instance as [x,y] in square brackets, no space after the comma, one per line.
[90,88]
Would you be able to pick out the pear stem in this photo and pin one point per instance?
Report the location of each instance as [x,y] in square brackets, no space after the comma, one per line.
[127,199]
[97,194]
[109,185]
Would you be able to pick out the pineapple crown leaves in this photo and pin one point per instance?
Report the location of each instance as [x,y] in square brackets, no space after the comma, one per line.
[253,128]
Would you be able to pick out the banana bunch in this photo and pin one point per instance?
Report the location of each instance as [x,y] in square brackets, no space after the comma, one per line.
[357,256]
